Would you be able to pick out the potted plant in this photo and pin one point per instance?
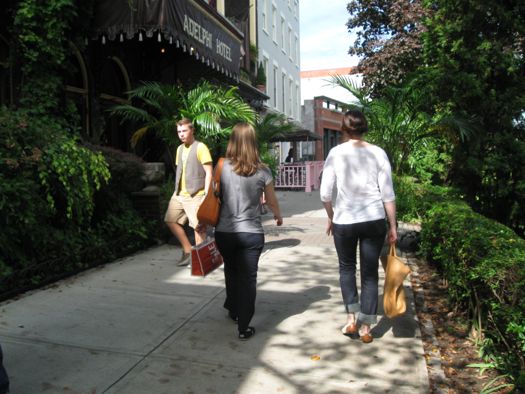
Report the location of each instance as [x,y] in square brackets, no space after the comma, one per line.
[260,78]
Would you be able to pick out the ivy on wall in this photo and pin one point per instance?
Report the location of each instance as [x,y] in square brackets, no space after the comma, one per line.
[42,29]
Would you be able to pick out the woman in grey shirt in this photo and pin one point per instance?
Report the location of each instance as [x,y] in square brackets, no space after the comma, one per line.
[239,232]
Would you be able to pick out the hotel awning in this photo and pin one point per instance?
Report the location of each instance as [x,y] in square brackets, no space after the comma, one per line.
[189,24]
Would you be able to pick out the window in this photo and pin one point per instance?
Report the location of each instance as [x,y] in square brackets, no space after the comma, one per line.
[274,23]
[266,69]
[290,46]
[291,98]
[275,81]
[264,18]
[283,34]
[296,48]
[283,93]
[297,100]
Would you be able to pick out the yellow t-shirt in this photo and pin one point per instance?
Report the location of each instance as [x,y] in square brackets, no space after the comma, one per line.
[204,157]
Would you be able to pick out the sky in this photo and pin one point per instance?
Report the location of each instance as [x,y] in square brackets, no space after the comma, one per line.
[324,36]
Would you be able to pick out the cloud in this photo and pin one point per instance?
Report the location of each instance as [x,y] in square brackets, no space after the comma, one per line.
[324,36]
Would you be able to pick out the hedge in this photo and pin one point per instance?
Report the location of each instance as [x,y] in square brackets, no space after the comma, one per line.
[484,264]
[414,199]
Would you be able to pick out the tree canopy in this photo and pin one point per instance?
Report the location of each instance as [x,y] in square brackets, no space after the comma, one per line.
[466,58]
[388,39]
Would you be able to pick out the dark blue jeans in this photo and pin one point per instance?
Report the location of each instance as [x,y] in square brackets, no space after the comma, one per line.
[370,236]
[241,252]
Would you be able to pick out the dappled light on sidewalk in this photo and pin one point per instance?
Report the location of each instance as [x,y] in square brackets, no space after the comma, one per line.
[144,325]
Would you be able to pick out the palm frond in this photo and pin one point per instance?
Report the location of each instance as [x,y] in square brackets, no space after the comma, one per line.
[464,127]
[130,113]
[350,85]
[137,135]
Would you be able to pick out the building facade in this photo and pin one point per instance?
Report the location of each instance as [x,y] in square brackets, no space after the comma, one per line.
[171,42]
[323,108]
[316,83]
[278,44]
[323,115]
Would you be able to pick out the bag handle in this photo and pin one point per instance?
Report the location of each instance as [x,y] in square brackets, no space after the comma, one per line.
[217,178]
[393,250]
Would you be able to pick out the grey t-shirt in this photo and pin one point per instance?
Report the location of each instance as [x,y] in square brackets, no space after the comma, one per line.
[240,208]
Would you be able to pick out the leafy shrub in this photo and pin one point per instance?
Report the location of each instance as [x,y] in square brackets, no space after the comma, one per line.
[414,199]
[126,177]
[46,180]
[53,219]
[484,263]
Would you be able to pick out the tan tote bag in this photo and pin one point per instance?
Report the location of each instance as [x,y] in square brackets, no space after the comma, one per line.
[394,298]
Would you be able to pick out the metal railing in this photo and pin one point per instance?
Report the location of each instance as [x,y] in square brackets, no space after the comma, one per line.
[302,175]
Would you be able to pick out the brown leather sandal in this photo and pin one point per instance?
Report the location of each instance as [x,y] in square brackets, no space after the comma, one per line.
[349,329]
[366,337]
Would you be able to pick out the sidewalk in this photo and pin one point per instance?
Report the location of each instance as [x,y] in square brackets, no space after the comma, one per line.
[144,325]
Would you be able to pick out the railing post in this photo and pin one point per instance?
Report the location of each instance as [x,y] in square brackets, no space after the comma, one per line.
[308,186]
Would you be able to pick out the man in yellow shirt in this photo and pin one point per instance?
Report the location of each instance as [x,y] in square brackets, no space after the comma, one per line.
[192,179]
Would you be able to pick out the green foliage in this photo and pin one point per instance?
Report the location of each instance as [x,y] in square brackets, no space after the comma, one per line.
[261,75]
[431,159]
[126,169]
[41,29]
[47,200]
[46,177]
[49,179]
[414,199]
[483,262]
[213,109]
[398,123]
[156,110]
[126,177]
[72,173]
[388,39]
[464,59]
[270,126]
[474,64]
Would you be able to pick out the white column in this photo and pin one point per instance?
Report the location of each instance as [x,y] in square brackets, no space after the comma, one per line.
[220,7]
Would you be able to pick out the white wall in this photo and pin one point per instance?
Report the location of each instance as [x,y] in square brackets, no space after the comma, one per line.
[320,86]
[278,41]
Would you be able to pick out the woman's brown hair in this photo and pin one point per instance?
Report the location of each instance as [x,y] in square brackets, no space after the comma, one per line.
[354,123]
[242,150]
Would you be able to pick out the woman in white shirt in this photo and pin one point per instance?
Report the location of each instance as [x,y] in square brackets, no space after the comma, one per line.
[362,175]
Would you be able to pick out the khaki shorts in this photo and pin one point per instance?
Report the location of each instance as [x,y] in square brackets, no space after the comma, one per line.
[183,208]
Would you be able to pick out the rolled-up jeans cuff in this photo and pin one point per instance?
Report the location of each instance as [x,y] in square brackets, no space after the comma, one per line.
[352,308]
[367,319]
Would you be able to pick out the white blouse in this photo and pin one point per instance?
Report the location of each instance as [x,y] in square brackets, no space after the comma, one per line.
[362,176]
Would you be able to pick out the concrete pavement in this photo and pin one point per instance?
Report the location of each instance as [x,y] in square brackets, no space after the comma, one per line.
[144,325]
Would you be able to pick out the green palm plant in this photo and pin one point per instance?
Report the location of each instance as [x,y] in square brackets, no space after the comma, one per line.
[399,124]
[157,108]
[270,126]
[214,110]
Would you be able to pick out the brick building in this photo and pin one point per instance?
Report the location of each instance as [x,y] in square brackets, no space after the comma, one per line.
[323,115]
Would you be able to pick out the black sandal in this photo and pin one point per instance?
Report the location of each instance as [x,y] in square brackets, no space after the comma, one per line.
[247,334]
[233,317]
